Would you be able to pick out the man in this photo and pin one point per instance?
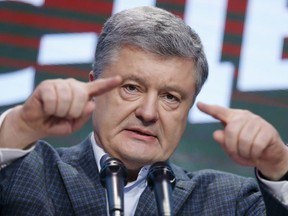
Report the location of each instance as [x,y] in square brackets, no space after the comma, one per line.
[149,67]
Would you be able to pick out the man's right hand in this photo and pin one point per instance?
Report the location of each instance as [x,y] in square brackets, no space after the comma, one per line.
[55,108]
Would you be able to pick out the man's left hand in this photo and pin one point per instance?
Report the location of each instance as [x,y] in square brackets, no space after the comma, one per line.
[250,140]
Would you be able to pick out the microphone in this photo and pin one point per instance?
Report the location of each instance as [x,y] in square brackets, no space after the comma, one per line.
[162,180]
[113,177]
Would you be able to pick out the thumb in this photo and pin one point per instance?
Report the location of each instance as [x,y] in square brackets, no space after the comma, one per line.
[219,137]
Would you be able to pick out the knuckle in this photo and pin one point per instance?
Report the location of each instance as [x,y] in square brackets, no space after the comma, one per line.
[71,79]
[231,151]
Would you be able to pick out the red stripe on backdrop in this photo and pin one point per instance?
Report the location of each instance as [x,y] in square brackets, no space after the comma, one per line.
[231,49]
[63,70]
[89,7]
[179,2]
[257,99]
[236,73]
[177,13]
[237,6]
[19,41]
[285,49]
[233,31]
[48,22]
[15,63]
[234,27]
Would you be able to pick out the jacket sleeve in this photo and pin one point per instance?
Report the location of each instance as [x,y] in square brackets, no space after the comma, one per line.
[273,205]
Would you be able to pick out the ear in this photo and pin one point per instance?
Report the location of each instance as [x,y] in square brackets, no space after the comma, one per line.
[91,76]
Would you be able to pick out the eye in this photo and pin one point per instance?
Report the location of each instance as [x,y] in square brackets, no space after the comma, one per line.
[130,88]
[130,91]
[171,98]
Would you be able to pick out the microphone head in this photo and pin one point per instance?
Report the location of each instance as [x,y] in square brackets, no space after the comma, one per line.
[160,171]
[112,167]
[113,177]
[103,160]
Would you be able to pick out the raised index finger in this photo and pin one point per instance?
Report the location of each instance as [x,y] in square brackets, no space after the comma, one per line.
[217,112]
[103,85]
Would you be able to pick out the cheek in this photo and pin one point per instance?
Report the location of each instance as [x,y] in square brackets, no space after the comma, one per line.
[110,114]
[173,129]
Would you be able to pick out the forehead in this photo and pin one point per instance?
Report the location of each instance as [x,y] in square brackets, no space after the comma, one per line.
[134,63]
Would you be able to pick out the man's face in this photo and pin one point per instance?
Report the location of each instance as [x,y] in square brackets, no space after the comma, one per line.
[142,121]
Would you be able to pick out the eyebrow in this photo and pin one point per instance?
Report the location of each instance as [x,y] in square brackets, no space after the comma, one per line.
[138,79]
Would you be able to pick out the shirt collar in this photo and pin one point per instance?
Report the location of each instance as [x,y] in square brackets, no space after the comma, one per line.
[97,150]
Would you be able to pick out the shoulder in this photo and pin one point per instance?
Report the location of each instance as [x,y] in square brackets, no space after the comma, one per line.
[46,151]
[214,178]
[46,157]
[227,193]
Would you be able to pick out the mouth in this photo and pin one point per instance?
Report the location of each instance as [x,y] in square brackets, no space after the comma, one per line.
[142,133]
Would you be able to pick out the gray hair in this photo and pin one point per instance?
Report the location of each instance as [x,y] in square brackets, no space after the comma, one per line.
[154,30]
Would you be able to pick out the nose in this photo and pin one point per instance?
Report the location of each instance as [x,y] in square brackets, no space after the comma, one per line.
[147,110]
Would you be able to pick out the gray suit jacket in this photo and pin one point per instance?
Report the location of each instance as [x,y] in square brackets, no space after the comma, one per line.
[66,182]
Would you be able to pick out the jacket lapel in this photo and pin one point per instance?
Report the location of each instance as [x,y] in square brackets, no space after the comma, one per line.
[81,179]
[182,190]
[147,203]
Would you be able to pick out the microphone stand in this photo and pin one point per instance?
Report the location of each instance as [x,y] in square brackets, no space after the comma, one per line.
[113,177]
[162,180]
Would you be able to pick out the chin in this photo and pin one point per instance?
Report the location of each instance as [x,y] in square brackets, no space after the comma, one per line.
[134,162]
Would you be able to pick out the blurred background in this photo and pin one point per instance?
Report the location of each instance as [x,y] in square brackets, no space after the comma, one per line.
[246,42]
